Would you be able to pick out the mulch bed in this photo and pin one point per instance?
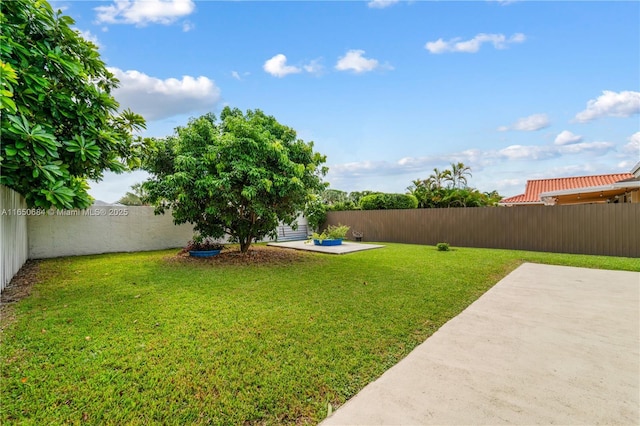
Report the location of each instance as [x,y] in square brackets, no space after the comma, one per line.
[257,255]
[19,288]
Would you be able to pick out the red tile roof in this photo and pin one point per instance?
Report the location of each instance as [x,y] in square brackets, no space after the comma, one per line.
[536,187]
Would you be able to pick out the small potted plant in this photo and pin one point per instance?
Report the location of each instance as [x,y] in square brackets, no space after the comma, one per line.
[203,246]
[332,236]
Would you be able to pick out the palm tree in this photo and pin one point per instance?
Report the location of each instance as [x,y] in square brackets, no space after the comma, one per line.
[437,178]
[420,189]
[458,174]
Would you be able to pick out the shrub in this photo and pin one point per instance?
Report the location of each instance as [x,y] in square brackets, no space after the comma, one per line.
[442,246]
[200,243]
[342,206]
[332,233]
[388,202]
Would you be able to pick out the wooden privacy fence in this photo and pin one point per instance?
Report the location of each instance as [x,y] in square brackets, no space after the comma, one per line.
[600,229]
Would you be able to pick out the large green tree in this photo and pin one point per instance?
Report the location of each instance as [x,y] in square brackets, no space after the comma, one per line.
[238,176]
[60,125]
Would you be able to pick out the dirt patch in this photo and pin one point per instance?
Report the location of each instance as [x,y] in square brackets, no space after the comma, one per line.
[19,288]
[257,255]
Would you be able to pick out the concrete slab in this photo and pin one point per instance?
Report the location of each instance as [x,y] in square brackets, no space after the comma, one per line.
[344,248]
[546,345]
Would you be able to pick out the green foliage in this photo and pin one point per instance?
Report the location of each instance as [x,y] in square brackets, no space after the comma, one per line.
[453,197]
[342,206]
[333,232]
[442,246]
[336,200]
[239,176]
[130,199]
[135,198]
[316,212]
[356,196]
[388,201]
[331,200]
[59,122]
[333,196]
[432,192]
[458,175]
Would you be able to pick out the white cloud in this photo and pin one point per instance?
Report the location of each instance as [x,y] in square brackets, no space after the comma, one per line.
[528,124]
[381,4]
[277,66]
[611,104]
[541,152]
[502,184]
[633,146]
[532,123]
[314,67]
[354,61]
[578,148]
[570,170]
[499,41]
[438,46]
[238,76]
[525,152]
[420,165]
[142,12]
[474,158]
[156,99]
[625,165]
[567,138]
[188,26]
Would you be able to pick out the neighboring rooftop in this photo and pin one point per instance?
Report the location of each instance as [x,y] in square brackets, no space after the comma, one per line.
[536,187]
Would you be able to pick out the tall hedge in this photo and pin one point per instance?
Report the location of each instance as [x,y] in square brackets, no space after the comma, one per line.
[388,202]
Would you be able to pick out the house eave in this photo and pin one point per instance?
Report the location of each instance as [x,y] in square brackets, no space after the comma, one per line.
[588,190]
[594,194]
[521,203]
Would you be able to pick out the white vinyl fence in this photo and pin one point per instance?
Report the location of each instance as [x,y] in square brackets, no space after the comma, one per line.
[14,249]
[103,229]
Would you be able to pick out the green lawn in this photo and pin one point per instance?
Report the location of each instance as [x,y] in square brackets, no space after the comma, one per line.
[138,338]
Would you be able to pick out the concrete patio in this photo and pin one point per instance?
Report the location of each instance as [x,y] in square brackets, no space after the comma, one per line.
[546,345]
[344,248]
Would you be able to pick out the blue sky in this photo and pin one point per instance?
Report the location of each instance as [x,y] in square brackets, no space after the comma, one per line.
[388,90]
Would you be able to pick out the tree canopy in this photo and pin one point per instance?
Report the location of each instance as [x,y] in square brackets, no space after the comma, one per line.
[384,201]
[238,176]
[134,197]
[59,122]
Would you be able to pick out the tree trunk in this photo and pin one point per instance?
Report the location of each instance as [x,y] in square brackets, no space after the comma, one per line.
[245,243]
